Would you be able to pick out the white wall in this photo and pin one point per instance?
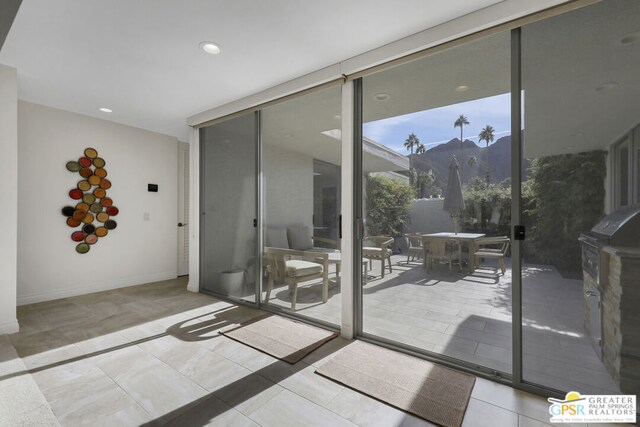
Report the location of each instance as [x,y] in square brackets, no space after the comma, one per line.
[288,187]
[427,216]
[8,196]
[137,251]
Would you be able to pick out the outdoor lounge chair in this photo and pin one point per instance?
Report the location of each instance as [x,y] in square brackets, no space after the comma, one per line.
[414,246]
[308,266]
[377,248]
[493,247]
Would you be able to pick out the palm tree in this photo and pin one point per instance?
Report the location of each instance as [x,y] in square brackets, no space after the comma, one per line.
[420,149]
[424,180]
[472,161]
[459,123]
[411,142]
[486,134]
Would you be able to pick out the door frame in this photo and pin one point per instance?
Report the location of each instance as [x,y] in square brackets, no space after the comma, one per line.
[183,202]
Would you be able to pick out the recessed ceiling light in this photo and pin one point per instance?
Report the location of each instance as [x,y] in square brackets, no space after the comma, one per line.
[337,117]
[210,47]
[106,110]
[607,86]
[631,38]
[462,88]
[381,96]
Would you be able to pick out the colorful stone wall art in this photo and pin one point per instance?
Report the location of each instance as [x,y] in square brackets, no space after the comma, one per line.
[93,205]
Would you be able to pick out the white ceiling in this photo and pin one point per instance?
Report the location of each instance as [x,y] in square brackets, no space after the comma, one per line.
[141,58]
[564,60]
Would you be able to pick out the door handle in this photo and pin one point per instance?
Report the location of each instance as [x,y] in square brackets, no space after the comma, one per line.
[181,224]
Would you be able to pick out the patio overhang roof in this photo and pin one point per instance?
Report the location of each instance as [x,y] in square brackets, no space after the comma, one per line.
[379,158]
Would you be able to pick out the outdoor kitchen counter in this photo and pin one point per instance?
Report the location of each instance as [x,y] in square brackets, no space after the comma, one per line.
[620,317]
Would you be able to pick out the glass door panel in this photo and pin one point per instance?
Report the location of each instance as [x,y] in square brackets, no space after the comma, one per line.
[581,96]
[436,182]
[228,260]
[301,158]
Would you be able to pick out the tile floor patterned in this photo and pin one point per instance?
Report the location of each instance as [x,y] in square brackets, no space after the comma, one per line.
[151,355]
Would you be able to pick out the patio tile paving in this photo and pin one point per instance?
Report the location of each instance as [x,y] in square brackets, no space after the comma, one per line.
[469,317]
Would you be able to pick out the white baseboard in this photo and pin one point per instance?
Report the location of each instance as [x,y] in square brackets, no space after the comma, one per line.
[95,287]
[9,327]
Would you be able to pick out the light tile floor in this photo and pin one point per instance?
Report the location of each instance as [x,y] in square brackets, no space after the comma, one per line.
[468,317]
[151,355]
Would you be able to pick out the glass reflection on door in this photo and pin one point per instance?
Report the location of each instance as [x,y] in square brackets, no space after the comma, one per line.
[301,158]
[436,162]
[228,259]
[581,101]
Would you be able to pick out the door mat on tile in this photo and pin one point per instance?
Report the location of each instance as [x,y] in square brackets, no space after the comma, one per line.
[433,392]
[280,337]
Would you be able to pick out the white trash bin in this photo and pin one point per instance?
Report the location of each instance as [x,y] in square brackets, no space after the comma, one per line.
[231,282]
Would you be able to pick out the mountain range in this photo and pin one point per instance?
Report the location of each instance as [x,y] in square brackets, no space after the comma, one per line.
[497,156]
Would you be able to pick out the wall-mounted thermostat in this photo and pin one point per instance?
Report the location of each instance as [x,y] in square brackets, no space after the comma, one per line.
[152,188]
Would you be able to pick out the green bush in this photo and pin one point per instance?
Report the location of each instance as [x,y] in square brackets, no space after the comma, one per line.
[388,203]
[480,202]
[563,197]
[568,199]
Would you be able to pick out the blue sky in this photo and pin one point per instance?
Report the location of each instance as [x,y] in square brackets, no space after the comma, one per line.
[434,127]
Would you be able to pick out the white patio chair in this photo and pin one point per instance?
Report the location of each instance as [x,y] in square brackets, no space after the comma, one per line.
[414,246]
[377,248]
[493,247]
[283,268]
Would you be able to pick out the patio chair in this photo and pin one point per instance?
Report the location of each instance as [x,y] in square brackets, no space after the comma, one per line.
[493,247]
[377,248]
[299,237]
[283,268]
[414,246]
[448,250]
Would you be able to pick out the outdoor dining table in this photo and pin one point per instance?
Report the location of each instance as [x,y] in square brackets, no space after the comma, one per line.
[470,239]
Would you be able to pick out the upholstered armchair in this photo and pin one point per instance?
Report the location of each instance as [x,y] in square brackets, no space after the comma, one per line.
[307,265]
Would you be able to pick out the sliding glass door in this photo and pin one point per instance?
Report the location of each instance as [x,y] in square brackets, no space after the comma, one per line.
[581,101]
[301,166]
[443,174]
[436,183]
[228,220]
